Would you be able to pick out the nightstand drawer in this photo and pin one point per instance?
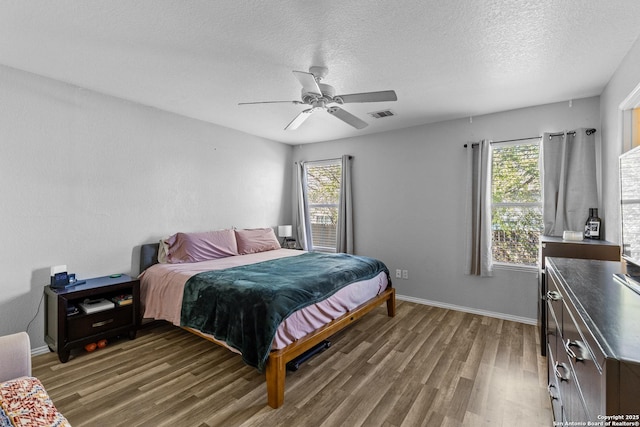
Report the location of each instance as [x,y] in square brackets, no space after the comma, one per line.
[87,325]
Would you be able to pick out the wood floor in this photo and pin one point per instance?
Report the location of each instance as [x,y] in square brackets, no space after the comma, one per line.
[427,366]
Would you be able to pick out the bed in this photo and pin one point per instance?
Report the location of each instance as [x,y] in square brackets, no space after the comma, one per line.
[211,284]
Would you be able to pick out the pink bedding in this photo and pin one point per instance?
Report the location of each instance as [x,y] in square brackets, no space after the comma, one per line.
[161,288]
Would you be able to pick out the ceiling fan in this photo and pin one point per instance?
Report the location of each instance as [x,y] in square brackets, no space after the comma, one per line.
[320,96]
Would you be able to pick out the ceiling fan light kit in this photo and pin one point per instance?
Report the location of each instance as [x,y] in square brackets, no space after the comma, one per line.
[320,95]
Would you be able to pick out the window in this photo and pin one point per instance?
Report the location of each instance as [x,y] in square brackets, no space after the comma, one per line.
[516,206]
[323,197]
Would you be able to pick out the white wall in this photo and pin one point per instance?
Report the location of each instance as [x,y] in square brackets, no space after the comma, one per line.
[87,178]
[409,201]
[623,82]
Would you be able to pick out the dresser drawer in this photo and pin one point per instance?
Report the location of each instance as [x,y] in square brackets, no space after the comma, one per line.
[87,325]
[553,387]
[554,306]
[586,360]
[553,330]
[572,404]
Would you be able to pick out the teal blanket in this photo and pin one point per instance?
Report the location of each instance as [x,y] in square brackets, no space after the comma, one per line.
[243,306]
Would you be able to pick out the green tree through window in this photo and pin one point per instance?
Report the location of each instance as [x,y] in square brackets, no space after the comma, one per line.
[323,197]
[516,214]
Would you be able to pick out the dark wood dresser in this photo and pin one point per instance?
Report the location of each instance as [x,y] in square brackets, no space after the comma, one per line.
[556,247]
[593,348]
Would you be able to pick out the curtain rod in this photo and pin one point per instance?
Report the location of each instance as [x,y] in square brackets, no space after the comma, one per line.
[551,135]
[322,160]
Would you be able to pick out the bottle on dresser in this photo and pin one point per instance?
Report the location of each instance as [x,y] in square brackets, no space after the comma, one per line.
[593,228]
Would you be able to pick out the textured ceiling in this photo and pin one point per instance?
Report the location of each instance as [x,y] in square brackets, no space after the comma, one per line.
[444,59]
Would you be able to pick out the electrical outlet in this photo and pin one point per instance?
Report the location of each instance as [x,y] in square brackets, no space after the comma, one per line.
[398,274]
[405,274]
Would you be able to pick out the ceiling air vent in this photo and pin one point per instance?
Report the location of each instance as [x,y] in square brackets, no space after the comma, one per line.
[381,114]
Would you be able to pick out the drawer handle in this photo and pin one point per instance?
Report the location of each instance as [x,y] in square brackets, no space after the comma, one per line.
[554,295]
[581,352]
[550,388]
[105,322]
[563,366]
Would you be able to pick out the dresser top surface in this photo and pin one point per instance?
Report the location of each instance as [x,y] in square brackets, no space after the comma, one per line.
[554,239]
[609,308]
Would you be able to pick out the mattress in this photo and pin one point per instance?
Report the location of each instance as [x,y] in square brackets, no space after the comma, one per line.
[162,286]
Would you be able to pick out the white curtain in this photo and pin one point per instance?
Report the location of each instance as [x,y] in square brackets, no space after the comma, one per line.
[302,229]
[569,180]
[344,241]
[478,216]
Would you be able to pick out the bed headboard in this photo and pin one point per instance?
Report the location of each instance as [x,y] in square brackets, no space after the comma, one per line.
[148,255]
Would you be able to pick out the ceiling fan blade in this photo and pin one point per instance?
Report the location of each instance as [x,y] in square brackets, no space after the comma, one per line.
[300,118]
[308,82]
[385,95]
[347,117]
[271,102]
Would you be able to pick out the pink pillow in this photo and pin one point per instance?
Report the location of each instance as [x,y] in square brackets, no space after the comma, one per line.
[194,247]
[256,240]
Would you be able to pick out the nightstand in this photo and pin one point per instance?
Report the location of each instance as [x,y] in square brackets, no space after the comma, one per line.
[66,329]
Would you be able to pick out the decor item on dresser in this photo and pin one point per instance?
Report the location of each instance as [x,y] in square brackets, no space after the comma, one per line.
[593,226]
[267,303]
[23,399]
[572,235]
[557,247]
[593,342]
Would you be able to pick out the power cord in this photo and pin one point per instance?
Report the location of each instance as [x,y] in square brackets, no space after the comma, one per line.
[37,312]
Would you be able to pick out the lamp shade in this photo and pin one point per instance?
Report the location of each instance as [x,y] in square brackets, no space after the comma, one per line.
[284,231]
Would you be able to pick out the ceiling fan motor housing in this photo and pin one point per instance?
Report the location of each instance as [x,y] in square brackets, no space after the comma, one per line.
[328,92]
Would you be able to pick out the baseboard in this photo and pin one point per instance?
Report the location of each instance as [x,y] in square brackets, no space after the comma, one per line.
[40,350]
[503,316]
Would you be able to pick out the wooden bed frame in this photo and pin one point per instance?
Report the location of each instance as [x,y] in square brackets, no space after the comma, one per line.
[276,365]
